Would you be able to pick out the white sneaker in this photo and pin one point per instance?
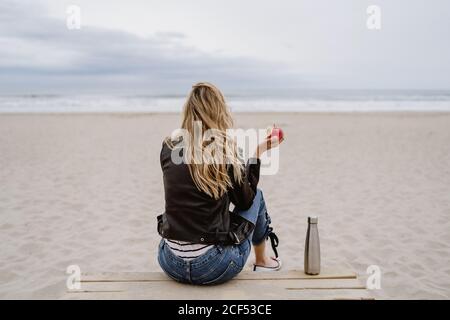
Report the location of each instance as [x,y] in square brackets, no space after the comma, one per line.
[258,268]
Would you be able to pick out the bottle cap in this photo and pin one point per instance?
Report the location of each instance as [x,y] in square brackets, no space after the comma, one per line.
[313,219]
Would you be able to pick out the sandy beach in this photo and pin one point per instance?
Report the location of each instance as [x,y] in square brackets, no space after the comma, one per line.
[86,189]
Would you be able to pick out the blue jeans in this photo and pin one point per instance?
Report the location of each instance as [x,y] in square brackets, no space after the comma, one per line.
[220,263]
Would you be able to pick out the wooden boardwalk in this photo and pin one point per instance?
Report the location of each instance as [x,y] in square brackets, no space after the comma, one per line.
[294,284]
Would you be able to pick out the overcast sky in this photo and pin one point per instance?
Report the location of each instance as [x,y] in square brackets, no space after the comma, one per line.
[144,46]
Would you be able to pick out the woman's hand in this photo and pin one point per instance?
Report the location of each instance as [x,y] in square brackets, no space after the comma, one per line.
[268,143]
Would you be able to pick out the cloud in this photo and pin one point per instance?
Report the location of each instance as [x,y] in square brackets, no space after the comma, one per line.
[240,46]
[40,54]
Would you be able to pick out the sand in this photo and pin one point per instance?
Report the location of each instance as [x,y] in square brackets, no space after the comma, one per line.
[86,189]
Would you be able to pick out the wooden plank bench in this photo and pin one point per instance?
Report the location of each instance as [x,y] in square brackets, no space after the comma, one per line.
[293,284]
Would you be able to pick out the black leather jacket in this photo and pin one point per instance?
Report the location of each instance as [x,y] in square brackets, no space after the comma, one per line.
[192,215]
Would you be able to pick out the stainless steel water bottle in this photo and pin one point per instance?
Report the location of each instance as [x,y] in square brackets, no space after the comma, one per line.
[312,248]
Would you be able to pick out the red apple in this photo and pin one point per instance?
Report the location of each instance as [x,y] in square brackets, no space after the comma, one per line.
[277,132]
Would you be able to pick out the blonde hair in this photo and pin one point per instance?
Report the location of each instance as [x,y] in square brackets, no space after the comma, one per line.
[206,105]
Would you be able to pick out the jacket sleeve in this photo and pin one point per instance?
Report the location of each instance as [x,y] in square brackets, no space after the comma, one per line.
[242,194]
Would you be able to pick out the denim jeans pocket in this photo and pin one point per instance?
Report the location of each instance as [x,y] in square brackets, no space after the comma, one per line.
[230,272]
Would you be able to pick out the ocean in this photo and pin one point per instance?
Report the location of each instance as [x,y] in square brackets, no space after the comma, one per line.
[303,101]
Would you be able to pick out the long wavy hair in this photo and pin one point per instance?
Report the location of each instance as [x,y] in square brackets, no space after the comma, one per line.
[209,156]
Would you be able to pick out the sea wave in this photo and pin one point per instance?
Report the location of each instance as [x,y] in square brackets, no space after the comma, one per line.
[314,101]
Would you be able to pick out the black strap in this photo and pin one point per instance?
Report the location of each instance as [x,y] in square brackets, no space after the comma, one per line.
[274,242]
